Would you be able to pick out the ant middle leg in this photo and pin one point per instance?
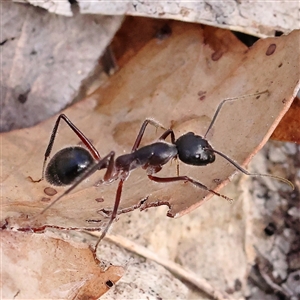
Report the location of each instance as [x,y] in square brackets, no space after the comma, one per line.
[187,179]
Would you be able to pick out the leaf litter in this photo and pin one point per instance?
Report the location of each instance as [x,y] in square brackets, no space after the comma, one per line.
[183,80]
[162,81]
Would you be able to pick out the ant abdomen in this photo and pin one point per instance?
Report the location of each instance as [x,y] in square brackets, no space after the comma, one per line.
[67,164]
[194,150]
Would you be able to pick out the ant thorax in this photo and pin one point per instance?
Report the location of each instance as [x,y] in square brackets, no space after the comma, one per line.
[153,155]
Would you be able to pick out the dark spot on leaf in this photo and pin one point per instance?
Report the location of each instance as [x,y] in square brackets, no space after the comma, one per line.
[33,52]
[280,65]
[270,229]
[50,191]
[284,101]
[164,32]
[45,199]
[297,277]
[216,55]
[109,283]
[93,221]
[202,95]
[100,199]
[271,49]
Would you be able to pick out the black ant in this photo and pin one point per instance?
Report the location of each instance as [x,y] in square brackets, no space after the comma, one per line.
[72,165]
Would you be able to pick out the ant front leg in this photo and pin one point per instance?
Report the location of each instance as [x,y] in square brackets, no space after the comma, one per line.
[77,131]
[187,179]
[142,131]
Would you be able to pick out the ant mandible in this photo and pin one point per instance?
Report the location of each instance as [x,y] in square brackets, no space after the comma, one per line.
[72,165]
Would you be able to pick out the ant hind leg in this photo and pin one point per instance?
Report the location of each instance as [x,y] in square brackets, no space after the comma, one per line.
[113,214]
[77,131]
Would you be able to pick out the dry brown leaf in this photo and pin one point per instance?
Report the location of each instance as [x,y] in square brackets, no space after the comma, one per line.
[179,81]
[41,267]
[289,127]
[134,34]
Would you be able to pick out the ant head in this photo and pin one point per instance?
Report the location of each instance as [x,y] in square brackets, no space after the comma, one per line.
[67,164]
[194,150]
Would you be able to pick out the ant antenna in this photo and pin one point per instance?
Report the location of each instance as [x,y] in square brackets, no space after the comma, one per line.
[227,100]
[252,174]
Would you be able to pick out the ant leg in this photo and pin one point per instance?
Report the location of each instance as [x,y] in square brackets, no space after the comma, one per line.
[114,212]
[142,131]
[77,131]
[186,178]
[227,100]
[177,166]
[166,134]
[103,163]
[110,173]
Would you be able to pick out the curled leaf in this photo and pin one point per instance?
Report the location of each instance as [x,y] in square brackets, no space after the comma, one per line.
[178,81]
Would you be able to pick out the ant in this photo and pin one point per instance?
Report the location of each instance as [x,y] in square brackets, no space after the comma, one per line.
[72,165]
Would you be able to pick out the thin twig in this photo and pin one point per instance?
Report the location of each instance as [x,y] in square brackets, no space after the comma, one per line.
[174,268]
